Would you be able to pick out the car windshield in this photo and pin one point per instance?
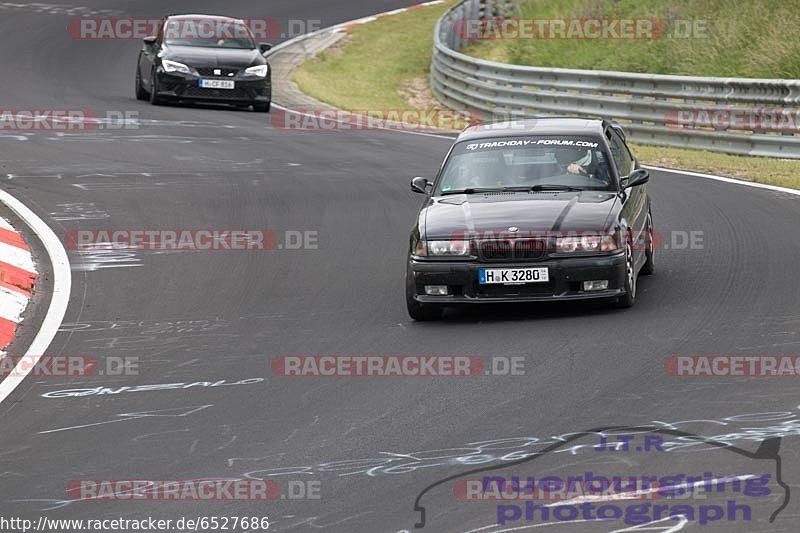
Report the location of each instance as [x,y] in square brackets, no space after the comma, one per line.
[208,33]
[544,163]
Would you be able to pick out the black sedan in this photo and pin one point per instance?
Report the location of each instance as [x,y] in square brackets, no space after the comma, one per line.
[531,210]
[204,58]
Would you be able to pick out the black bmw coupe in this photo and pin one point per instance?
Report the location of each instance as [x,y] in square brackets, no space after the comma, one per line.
[531,210]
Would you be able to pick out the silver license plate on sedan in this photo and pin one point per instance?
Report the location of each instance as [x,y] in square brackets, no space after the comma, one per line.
[489,276]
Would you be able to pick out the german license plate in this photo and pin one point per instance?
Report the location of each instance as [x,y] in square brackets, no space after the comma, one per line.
[489,276]
[217,84]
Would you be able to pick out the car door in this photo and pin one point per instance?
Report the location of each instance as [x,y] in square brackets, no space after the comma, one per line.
[634,209]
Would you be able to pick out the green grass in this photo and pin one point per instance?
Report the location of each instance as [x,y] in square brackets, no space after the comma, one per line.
[379,59]
[782,172]
[373,68]
[745,38]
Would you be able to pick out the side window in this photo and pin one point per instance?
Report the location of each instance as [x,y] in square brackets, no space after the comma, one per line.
[622,158]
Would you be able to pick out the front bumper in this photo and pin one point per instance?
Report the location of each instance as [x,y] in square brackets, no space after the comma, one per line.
[178,86]
[566,280]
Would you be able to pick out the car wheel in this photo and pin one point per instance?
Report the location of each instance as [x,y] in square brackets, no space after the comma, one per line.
[423,312]
[141,94]
[419,311]
[650,251]
[262,108]
[154,98]
[629,298]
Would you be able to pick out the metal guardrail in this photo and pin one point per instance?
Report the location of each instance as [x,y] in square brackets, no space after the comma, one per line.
[653,109]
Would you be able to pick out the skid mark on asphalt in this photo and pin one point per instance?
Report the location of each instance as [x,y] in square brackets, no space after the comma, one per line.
[105,255]
[318,522]
[177,412]
[757,427]
[148,327]
[79,211]
[57,9]
[668,527]
[153,138]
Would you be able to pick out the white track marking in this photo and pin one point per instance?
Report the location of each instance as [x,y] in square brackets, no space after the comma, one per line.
[62,284]
[727,180]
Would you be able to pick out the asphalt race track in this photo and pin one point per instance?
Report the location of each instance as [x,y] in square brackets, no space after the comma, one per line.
[369,445]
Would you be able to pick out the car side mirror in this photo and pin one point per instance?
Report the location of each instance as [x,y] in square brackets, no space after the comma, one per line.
[420,185]
[265,47]
[639,176]
[150,40]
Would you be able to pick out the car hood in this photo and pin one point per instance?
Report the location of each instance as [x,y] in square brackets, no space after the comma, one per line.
[196,56]
[447,216]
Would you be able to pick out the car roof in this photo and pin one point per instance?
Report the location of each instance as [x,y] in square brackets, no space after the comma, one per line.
[535,126]
[204,17]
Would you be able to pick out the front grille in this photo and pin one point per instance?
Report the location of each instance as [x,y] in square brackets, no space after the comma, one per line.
[513,249]
[511,291]
[225,72]
[236,93]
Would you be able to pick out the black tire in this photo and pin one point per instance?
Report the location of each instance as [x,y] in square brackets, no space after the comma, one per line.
[649,266]
[423,312]
[419,311]
[262,108]
[141,94]
[629,298]
[154,98]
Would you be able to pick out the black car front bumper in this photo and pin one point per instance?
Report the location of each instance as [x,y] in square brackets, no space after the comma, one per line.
[566,280]
[175,86]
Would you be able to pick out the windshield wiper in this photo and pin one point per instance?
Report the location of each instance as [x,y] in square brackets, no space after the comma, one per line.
[554,188]
[518,188]
[471,190]
[474,190]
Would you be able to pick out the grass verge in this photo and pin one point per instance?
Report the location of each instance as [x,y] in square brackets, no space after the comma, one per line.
[728,38]
[384,65]
[378,63]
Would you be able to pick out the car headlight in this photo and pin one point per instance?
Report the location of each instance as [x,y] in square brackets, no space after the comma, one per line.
[174,66]
[588,243]
[259,71]
[442,249]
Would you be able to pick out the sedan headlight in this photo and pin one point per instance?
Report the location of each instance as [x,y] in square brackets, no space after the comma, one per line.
[174,66]
[442,249]
[259,71]
[588,243]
